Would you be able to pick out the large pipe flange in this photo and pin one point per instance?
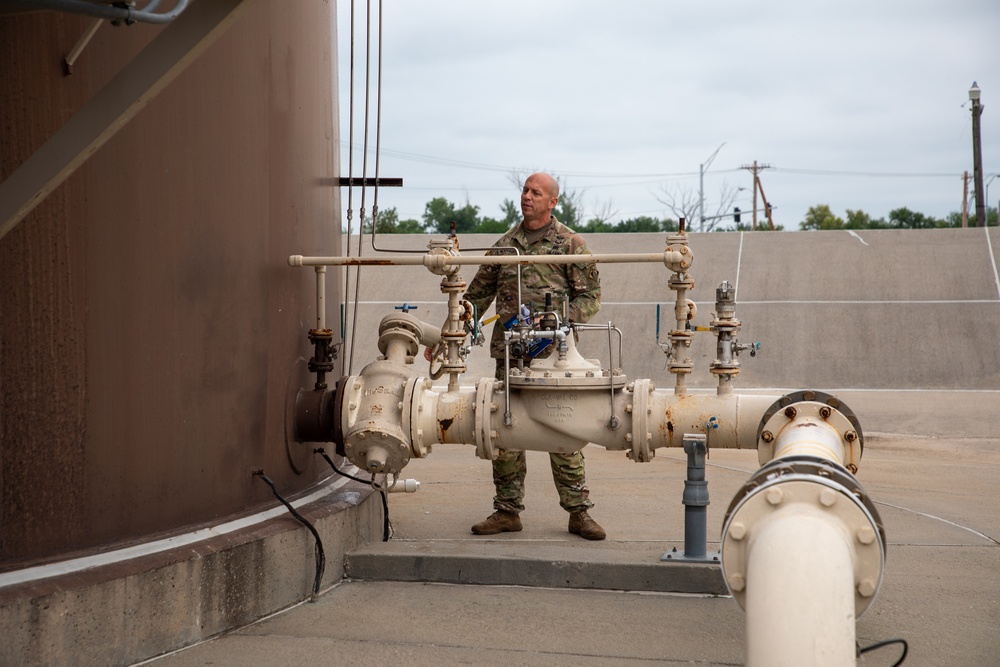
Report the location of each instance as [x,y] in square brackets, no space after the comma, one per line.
[809,466]
[640,436]
[412,406]
[399,329]
[485,406]
[808,408]
[829,500]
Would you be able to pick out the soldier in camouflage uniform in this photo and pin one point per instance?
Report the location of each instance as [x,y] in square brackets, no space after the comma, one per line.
[580,285]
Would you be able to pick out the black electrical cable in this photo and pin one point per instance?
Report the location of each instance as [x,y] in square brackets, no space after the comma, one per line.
[888,642]
[386,526]
[320,555]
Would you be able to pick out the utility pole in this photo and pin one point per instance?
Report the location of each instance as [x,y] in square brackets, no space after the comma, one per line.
[965,199]
[977,155]
[755,169]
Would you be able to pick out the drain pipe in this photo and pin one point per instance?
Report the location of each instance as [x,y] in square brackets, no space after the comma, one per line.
[803,548]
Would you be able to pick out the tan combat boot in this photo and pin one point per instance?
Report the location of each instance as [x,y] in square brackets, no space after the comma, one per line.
[581,524]
[498,522]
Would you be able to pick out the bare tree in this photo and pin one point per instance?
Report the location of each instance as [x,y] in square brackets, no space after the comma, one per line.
[680,199]
[604,212]
[685,202]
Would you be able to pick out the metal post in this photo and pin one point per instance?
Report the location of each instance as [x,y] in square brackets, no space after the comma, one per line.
[977,155]
[695,501]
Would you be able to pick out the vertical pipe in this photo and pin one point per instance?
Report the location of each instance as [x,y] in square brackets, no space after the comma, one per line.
[454,326]
[321,297]
[800,591]
[680,317]
[695,498]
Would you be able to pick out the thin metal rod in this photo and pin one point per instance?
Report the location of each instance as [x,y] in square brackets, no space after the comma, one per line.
[88,34]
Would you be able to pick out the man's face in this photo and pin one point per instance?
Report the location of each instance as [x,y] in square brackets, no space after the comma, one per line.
[537,202]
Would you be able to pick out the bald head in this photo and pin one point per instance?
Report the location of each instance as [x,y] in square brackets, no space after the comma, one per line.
[550,183]
[539,196]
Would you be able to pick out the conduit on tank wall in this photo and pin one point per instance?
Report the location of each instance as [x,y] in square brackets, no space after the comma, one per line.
[119,12]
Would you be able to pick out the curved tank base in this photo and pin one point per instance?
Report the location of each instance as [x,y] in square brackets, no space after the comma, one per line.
[127,611]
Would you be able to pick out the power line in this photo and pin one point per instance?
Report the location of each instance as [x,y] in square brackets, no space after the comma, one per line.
[867,174]
[482,166]
[430,159]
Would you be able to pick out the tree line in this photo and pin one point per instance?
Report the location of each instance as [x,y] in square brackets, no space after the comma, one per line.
[442,216]
[821,217]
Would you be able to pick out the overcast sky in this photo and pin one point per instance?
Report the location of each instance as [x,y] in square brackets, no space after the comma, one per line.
[858,104]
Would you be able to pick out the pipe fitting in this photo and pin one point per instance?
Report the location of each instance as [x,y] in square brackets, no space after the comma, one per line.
[678,258]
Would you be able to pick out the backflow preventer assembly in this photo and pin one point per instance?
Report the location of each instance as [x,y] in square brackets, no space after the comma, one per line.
[803,548]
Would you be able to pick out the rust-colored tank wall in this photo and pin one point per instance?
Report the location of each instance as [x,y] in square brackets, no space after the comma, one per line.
[151,332]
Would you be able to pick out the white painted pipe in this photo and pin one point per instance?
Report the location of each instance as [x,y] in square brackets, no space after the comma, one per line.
[800,590]
[811,437]
[671,258]
[801,545]
[405,486]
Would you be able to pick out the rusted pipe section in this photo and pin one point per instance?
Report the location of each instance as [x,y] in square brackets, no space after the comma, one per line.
[679,364]
[725,326]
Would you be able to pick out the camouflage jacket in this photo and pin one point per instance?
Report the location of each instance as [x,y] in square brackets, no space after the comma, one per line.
[580,284]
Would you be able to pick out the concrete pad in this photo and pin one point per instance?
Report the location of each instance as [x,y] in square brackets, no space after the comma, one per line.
[940,592]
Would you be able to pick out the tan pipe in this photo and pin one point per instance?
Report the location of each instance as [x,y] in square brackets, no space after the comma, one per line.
[671,258]
[800,590]
[566,420]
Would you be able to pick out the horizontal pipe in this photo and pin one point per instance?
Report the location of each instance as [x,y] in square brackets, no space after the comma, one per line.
[405,486]
[441,260]
[558,419]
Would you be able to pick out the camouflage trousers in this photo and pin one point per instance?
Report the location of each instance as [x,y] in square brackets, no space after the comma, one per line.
[511,467]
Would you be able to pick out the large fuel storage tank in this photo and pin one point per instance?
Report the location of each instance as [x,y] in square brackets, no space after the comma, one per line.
[151,334]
